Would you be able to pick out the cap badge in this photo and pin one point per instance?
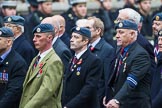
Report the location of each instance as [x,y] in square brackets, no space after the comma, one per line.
[38,30]
[120,24]
[41,18]
[157,18]
[77,28]
[160,33]
[9,19]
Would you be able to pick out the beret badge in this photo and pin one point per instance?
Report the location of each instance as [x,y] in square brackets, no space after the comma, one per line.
[38,30]
[9,19]
[120,24]
[78,28]
[157,18]
[160,33]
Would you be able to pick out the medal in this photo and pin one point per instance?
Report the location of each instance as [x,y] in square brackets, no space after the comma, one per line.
[78,73]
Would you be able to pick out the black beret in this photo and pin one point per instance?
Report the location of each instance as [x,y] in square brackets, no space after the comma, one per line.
[82,31]
[6,32]
[157,17]
[43,28]
[126,24]
[18,20]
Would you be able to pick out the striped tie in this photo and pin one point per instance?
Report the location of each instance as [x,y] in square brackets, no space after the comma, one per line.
[36,61]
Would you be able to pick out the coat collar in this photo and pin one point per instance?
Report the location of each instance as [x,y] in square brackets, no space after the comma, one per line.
[33,73]
[83,57]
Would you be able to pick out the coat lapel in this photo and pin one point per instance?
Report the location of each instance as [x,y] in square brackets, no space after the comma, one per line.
[83,57]
[34,72]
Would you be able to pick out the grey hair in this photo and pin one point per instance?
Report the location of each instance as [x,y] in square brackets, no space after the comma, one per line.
[81,22]
[132,14]
[22,28]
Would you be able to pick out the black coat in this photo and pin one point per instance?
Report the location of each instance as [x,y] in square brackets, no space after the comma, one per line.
[106,53]
[150,50]
[24,48]
[63,52]
[10,92]
[156,86]
[66,39]
[132,86]
[80,85]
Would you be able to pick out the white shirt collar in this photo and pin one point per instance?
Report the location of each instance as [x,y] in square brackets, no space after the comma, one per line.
[80,54]
[54,40]
[96,42]
[44,54]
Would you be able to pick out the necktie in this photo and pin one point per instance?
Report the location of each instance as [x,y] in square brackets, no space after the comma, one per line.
[36,61]
[91,48]
[74,60]
[120,62]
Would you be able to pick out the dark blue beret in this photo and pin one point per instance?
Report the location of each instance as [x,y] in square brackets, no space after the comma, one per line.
[14,20]
[82,31]
[126,24]
[6,32]
[43,28]
[33,2]
[157,17]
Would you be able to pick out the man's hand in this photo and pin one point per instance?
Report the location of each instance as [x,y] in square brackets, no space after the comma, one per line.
[104,101]
[112,104]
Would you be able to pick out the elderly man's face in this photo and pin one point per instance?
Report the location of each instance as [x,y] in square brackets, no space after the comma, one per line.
[156,26]
[4,44]
[123,37]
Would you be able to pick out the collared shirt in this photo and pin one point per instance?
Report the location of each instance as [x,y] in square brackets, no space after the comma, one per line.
[60,35]
[5,55]
[44,54]
[96,42]
[54,40]
[80,54]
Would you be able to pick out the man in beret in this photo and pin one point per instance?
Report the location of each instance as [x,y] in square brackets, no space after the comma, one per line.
[12,71]
[8,9]
[156,86]
[21,45]
[130,80]
[58,45]
[81,79]
[156,26]
[43,84]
